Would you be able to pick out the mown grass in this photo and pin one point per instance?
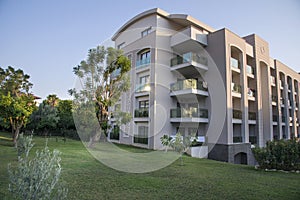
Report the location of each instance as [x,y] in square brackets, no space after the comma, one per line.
[88,178]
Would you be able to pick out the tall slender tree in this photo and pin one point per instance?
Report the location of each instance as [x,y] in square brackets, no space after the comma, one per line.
[103,77]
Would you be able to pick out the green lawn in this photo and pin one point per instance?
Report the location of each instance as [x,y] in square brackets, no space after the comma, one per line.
[87,178]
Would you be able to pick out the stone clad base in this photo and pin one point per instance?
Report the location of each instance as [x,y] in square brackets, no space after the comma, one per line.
[239,153]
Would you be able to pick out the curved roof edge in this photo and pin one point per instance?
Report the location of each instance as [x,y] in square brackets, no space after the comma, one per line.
[164,14]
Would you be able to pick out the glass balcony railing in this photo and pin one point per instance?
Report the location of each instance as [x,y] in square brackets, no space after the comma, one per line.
[187,58]
[236,88]
[188,84]
[237,114]
[142,87]
[253,139]
[141,112]
[237,139]
[249,70]
[234,63]
[189,113]
[252,116]
[142,63]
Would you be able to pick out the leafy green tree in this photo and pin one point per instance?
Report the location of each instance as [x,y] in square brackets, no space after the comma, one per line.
[45,118]
[16,103]
[14,81]
[64,109]
[52,100]
[101,87]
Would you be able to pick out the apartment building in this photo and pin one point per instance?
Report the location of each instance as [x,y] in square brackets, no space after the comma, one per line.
[187,77]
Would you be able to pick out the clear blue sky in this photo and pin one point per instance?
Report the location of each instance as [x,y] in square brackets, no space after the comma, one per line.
[48,38]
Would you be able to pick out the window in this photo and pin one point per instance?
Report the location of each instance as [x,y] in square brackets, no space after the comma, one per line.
[144,79]
[143,58]
[145,55]
[120,46]
[146,32]
[143,104]
[115,133]
[142,135]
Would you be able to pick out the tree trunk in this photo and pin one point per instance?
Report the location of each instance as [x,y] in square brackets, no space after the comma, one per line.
[15,136]
[94,139]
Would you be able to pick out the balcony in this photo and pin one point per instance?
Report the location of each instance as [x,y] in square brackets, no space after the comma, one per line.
[142,89]
[237,114]
[283,119]
[189,115]
[236,90]
[189,64]
[289,104]
[251,118]
[275,120]
[189,87]
[272,80]
[253,139]
[189,37]
[252,115]
[251,94]
[142,63]
[274,100]
[281,102]
[235,65]
[296,105]
[250,71]
[141,112]
[237,139]
[289,88]
[281,84]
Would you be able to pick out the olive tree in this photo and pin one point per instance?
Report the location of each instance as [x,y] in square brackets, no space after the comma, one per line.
[103,78]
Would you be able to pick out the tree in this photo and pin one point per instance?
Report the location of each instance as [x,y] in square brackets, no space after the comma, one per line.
[166,141]
[45,118]
[52,100]
[16,103]
[64,109]
[179,143]
[103,77]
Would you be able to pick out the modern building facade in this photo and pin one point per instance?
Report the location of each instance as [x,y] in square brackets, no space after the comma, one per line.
[187,77]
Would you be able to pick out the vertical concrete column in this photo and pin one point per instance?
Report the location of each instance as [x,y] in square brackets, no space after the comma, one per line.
[293,133]
[244,100]
[286,107]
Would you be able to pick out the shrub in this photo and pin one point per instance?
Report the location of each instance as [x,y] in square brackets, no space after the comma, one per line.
[36,178]
[179,143]
[281,154]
